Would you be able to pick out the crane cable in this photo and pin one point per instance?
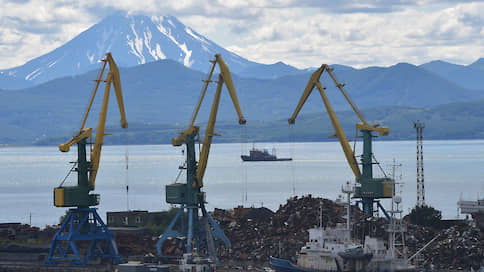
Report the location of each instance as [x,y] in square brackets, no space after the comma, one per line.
[127,176]
[74,164]
[243,148]
[292,145]
[93,92]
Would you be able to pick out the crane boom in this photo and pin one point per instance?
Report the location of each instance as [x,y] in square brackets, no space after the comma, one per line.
[85,133]
[314,82]
[349,153]
[116,81]
[209,133]
[205,87]
[307,91]
[369,188]
[227,78]
[114,78]
[224,77]
[340,87]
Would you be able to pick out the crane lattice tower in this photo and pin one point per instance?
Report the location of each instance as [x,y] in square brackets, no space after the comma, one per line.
[419,126]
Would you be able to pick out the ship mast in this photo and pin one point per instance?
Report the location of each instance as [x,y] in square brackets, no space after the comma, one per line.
[348,189]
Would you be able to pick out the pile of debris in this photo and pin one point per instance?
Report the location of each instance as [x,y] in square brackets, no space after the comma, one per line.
[255,238]
[18,231]
[418,236]
[257,233]
[134,244]
[283,234]
[458,247]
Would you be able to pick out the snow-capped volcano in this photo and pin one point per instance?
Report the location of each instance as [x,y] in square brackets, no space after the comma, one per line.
[132,39]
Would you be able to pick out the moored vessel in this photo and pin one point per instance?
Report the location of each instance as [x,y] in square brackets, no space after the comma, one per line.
[262,155]
[333,249]
[328,249]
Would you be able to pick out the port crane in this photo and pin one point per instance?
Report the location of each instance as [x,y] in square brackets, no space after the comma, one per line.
[83,223]
[368,188]
[190,195]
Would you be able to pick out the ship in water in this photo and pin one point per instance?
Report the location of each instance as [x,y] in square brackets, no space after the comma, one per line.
[328,249]
[333,249]
[262,155]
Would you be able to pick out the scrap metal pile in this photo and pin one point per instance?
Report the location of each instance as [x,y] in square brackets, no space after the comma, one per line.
[458,247]
[283,234]
[131,244]
[257,233]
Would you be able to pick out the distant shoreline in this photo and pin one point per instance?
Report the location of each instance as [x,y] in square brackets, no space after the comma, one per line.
[250,142]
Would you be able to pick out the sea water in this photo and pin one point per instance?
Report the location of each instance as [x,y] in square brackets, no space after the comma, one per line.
[28,175]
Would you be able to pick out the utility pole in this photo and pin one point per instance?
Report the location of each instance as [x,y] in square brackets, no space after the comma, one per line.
[419,126]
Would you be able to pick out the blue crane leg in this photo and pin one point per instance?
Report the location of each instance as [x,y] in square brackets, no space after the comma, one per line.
[190,230]
[169,232]
[93,229]
[217,232]
[384,211]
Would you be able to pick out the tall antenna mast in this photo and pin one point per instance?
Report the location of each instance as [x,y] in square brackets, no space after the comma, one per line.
[419,126]
[394,170]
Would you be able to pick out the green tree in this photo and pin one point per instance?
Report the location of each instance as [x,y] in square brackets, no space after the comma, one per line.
[425,216]
[63,217]
[158,222]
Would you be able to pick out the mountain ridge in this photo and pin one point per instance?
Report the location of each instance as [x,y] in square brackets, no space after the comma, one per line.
[443,122]
[166,91]
[468,76]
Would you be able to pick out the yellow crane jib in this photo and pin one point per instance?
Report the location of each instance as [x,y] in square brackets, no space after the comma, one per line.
[370,188]
[315,82]
[76,195]
[224,77]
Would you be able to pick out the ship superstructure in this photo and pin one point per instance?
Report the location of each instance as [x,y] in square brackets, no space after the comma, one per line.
[475,208]
[262,155]
[328,249]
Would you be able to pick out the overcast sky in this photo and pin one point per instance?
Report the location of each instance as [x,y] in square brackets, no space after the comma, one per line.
[302,33]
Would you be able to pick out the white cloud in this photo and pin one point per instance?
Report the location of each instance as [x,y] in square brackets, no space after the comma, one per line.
[29,29]
[408,35]
[299,32]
